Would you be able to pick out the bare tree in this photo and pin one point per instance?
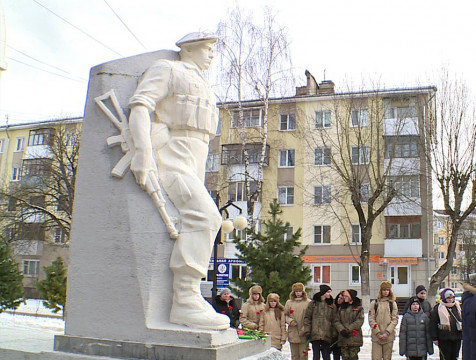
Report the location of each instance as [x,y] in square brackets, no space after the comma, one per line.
[356,139]
[453,161]
[43,200]
[254,63]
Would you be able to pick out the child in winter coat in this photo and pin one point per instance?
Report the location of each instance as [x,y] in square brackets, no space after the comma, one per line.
[294,311]
[383,318]
[252,308]
[415,339]
[272,321]
[319,322]
[348,323]
[445,325]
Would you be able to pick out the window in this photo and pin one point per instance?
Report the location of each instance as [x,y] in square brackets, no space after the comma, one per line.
[322,156]
[364,192]
[360,155]
[237,190]
[31,267]
[212,162]
[2,145]
[322,195]
[442,255]
[322,234]
[31,231]
[322,274]
[62,204]
[238,271]
[289,234]
[323,119]
[40,137]
[408,186]
[360,117]
[288,122]
[218,133]
[60,235]
[236,234]
[16,174]
[286,158]
[12,204]
[356,236]
[454,284]
[20,144]
[354,275]
[404,231]
[401,147]
[454,270]
[286,195]
[251,118]
[441,240]
[400,112]
[36,167]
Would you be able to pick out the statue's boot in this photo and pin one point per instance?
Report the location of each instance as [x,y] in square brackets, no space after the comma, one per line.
[191,309]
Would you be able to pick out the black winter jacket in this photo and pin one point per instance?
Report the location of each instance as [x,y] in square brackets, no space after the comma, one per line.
[443,334]
[415,339]
[231,310]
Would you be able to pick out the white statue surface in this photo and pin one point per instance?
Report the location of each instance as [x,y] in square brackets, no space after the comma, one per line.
[172,146]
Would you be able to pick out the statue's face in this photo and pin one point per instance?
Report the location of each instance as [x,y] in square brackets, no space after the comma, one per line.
[200,53]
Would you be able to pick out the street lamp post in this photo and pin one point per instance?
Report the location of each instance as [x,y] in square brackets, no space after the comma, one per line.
[239,223]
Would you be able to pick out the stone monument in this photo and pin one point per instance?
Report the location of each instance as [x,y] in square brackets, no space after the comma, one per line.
[137,256]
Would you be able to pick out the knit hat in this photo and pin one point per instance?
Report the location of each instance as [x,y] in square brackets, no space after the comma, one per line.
[298,287]
[445,293]
[385,285]
[351,293]
[225,291]
[323,289]
[420,288]
[414,300]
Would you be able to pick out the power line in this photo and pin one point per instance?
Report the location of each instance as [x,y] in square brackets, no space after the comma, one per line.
[42,62]
[123,23]
[83,32]
[50,72]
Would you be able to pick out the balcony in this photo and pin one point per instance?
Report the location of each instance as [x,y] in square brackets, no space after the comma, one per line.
[28,247]
[404,207]
[234,154]
[403,248]
[401,126]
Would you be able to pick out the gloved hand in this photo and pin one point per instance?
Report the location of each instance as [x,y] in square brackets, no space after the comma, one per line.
[344,333]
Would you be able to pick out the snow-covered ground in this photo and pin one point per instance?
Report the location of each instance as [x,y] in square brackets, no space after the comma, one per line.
[40,317]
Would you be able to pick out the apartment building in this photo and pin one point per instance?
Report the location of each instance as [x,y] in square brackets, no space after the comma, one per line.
[28,154]
[464,260]
[302,165]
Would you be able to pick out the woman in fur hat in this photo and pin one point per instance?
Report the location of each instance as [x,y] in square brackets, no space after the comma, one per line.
[445,325]
[319,322]
[272,321]
[383,318]
[252,308]
[348,323]
[469,318]
[294,311]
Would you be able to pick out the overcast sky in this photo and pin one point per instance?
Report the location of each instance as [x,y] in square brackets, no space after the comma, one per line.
[399,43]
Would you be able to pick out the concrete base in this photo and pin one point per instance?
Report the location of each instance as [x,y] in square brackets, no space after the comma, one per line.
[150,351]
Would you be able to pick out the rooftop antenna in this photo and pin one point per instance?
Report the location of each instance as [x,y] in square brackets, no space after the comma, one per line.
[324,74]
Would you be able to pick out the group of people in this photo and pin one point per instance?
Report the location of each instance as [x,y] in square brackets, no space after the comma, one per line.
[335,325]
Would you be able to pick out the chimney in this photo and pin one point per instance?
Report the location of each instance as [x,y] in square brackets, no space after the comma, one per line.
[311,87]
[326,87]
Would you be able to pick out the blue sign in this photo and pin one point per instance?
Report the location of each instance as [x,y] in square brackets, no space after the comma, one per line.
[223,271]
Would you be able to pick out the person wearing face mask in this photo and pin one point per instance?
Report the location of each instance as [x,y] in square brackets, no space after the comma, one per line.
[319,322]
[252,308]
[446,326]
[294,311]
[383,318]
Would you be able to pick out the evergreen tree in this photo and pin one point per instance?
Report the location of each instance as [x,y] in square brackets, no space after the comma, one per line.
[272,257]
[53,288]
[11,280]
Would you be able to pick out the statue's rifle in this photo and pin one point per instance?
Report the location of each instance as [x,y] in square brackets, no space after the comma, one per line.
[152,186]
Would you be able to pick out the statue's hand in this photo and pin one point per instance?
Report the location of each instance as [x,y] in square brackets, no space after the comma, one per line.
[142,166]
